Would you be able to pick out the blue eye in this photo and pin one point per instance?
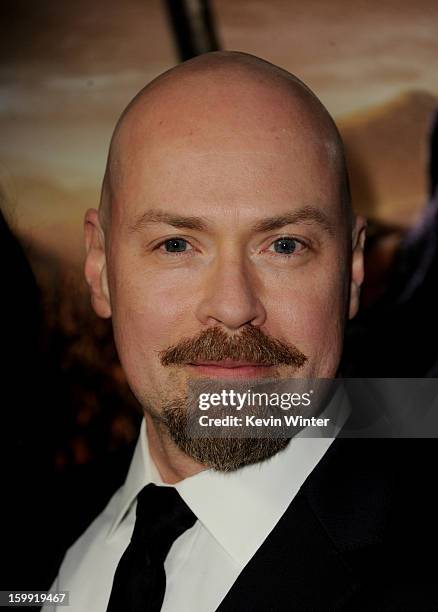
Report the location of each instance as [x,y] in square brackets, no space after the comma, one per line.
[285,246]
[175,245]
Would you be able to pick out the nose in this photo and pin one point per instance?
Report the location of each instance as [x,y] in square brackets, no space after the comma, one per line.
[230,294]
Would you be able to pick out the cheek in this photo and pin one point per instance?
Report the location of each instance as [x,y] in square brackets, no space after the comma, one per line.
[311,316]
[149,314]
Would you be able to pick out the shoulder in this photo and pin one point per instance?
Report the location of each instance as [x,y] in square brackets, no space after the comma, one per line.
[376,499]
[84,493]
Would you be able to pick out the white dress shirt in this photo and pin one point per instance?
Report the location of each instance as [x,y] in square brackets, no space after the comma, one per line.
[236,511]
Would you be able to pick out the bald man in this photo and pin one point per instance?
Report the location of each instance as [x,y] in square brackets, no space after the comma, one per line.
[225,248]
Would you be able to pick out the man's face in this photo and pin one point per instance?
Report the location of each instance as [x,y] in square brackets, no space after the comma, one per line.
[228,223]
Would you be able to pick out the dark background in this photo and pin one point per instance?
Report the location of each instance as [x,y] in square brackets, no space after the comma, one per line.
[66,72]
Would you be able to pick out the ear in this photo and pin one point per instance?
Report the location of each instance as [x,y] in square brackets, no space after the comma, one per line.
[357,264]
[95,264]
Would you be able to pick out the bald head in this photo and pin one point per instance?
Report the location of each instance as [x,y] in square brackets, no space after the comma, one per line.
[229,98]
[225,207]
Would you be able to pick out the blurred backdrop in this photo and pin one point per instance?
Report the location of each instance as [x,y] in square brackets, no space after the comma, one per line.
[67,70]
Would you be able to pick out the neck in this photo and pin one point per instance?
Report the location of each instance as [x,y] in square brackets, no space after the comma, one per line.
[172,463]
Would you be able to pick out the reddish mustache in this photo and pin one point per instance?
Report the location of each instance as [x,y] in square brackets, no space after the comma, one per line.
[251,345]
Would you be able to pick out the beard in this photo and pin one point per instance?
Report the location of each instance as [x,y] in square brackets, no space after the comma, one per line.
[223,453]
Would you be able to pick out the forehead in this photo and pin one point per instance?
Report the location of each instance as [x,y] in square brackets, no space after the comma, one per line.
[236,154]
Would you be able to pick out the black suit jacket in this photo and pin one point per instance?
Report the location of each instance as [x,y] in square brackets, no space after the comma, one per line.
[360,535]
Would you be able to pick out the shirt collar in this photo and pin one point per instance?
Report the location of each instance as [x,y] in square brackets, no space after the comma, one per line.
[142,471]
[239,508]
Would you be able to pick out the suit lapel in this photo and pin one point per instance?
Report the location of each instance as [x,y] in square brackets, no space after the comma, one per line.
[296,567]
[308,561]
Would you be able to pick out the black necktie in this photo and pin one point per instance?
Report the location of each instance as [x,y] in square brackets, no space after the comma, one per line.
[140,580]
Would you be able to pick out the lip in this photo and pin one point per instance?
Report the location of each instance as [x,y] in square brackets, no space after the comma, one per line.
[230,369]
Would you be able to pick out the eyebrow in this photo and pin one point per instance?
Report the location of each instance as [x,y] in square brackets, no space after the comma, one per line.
[306,214]
[159,216]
